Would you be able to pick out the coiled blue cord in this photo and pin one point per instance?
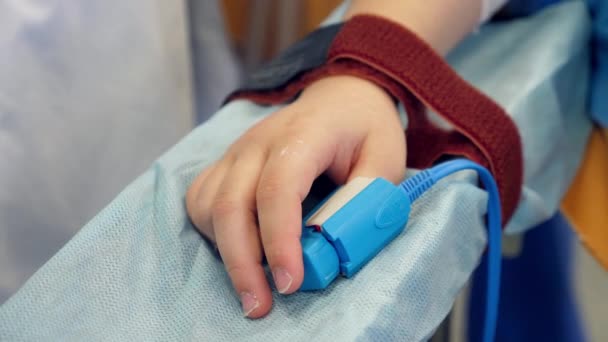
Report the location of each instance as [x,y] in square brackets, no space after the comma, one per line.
[421,182]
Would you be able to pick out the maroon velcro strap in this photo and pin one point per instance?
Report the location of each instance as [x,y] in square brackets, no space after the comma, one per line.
[396,59]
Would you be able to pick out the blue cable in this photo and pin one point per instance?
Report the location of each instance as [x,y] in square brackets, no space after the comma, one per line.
[421,182]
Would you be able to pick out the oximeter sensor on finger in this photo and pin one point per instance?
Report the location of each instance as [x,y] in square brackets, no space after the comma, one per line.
[348,229]
[353,224]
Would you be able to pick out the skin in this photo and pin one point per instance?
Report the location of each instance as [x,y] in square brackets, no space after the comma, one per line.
[249,201]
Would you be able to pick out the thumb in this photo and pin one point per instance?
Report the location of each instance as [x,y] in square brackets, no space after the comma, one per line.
[383,154]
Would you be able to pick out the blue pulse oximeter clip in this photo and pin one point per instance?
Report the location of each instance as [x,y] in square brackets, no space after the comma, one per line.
[353,224]
[349,228]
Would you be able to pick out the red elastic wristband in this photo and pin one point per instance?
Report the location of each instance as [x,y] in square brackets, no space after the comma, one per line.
[388,54]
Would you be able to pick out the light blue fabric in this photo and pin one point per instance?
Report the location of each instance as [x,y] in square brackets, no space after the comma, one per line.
[90,94]
[139,271]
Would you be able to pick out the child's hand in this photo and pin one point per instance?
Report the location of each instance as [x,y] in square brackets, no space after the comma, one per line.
[249,202]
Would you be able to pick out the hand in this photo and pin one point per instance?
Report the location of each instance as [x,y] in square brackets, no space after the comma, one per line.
[249,202]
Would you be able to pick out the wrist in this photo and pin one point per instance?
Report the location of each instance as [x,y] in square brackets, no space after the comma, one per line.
[440,23]
[351,91]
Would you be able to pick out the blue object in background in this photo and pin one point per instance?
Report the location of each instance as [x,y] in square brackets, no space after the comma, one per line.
[599,61]
[598,10]
[516,8]
[537,299]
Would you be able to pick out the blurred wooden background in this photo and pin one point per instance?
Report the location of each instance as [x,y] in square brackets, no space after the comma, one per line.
[261,28]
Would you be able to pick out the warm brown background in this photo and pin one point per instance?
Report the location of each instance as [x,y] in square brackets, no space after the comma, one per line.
[267,26]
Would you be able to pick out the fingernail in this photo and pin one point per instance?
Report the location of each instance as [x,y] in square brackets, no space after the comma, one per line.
[249,303]
[282,279]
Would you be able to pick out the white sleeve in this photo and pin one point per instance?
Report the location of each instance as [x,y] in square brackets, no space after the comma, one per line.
[490,7]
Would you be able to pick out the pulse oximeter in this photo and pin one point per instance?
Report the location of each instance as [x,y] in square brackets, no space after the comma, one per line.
[349,228]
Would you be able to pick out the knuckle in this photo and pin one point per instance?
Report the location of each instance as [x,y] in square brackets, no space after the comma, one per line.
[202,223]
[273,252]
[194,190]
[208,233]
[195,207]
[201,219]
[295,148]
[224,205]
[244,151]
[235,267]
[269,189]
[238,268]
[191,199]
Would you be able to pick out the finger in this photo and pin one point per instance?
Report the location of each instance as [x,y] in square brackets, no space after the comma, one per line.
[382,155]
[200,198]
[193,193]
[236,233]
[285,181]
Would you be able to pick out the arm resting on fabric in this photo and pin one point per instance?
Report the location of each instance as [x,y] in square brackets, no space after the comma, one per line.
[140,271]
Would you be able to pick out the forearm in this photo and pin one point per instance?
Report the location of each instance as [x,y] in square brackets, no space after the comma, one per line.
[441,23]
